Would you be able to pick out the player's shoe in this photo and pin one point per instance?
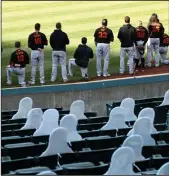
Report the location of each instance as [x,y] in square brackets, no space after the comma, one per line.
[31,82]
[65,80]
[9,83]
[42,82]
[99,75]
[70,75]
[106,75]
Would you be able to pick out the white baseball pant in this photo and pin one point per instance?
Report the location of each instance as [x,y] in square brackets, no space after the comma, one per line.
[130,52]
[102,50]
[59,57]
[73,63]
[37,58]
[138,55]
[163,53]
[153,45]
[20,72]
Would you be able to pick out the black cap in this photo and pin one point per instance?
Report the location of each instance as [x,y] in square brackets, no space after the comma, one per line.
[17,44]
[104,22]
[84,40]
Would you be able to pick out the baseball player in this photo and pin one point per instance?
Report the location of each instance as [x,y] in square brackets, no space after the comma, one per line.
[36,42]
[164,49]
[103,36]
[127,37]
[81,58]
[18,61]
[140,42]
[155,30]
[58,42]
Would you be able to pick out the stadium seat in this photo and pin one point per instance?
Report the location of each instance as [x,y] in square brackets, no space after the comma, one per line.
[122,162]
[78,108]
[34,119]
[166,99]
[70,123]
[49,122]
[25,105]
[57,142]
[129,103]
[164,169]
[47,173]
[142,127]
[136,143]
[150,113]
[116,119]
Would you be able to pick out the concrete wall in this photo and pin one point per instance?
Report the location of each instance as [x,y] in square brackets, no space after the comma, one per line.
[95,100]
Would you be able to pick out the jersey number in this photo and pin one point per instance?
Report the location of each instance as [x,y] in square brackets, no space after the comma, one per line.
[37,41]
[20,58]
[140,34]
[102,34]
[155,28]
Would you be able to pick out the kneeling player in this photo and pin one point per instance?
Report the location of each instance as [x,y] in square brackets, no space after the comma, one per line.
[18,61]
[140,42]
[81,58]
[164,43]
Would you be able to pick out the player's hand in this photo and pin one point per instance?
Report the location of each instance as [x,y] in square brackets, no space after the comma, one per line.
[39,49]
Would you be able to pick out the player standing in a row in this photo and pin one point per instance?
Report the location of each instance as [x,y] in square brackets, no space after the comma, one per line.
[103,36]
[140,42]
[58,42]
[164,49]
[155,30]
[36,42]
[127,36]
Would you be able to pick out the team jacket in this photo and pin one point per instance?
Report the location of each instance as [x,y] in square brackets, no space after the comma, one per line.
[19,58]
[59,40]
[37,40]
[141,34]
[165,40]
[82,55]
[155,30]
[103,35]
[127,35]
[158,22]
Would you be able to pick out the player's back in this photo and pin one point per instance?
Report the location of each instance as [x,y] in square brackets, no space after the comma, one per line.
[59,40]
[103,35]
[141,33]
[155,30]
[37,40]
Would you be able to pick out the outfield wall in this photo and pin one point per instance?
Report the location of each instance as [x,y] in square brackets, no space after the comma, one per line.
[95,94]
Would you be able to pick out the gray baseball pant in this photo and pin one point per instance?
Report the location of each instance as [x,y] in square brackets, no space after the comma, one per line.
[163,53]
[130,52]
[59,57]
[20,72]
[73,63]
[102,50]
[37,58]
[153,45]
[138,55]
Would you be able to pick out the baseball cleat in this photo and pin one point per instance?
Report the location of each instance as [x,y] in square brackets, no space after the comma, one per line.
[31,82]
[106,75]
[65,80]
[9,83]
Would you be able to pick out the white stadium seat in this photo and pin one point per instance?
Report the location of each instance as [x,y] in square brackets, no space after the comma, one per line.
[129,103]
[116,119]
[136,143]
[166,99]
[70,122]
[122,162]
[164,169]
[34,119]
[78,108]
[49,122]
[57,142]
[25,105]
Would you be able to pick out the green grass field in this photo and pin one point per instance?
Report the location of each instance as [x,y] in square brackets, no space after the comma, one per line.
[78,19]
